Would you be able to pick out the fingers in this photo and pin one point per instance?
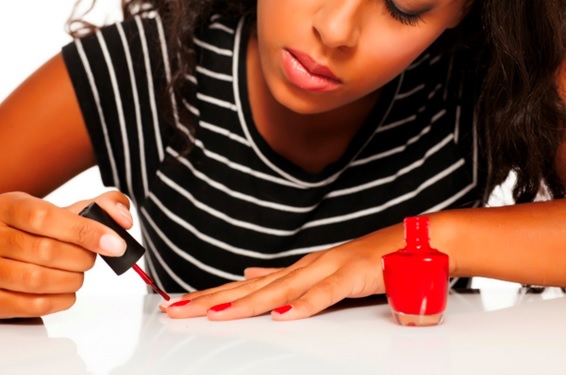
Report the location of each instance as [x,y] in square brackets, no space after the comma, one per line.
[251,297]
[20,305]
[203,300]
[39,217]
[30,278]
[43,251]
[179,308]
[252,272]
[298,294]
[235,289]
[322,295]
[311,285]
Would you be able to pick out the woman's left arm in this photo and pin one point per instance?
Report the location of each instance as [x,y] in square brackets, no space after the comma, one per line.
[521,243]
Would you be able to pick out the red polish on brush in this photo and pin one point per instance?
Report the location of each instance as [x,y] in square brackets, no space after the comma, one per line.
[149,281]
[134,250]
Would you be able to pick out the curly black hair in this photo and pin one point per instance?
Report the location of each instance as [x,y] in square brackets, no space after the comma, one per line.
[522,112]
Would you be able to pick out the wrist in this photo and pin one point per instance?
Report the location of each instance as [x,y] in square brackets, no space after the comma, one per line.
[445,237]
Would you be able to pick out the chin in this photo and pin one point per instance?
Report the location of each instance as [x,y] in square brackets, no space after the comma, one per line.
[304,105]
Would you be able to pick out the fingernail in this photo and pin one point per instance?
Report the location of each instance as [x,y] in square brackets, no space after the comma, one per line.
[112,245]
[180,303]
[283,309]
[166,304]
[123,210]
[222,306]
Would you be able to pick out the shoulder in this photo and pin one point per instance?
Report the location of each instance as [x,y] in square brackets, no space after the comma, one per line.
[136,33]
[134,47]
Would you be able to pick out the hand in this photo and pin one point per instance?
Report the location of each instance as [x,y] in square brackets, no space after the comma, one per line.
[45,250]
[312,284]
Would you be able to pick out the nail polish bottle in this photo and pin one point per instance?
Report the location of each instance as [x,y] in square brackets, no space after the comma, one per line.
[416,277]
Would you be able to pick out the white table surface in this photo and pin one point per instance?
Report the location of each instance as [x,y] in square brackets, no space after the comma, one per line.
[494,332]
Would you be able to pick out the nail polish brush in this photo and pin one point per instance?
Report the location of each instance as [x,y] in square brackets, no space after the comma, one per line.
[134,250]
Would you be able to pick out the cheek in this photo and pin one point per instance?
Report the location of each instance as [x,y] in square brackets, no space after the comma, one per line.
[277,18]
[287,21]
[378,65]
[386,54]
[278,27]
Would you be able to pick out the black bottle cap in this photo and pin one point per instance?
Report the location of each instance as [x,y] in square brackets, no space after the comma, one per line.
[134,250]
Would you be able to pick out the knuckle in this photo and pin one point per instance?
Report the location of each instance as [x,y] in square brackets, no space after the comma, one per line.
[13,240]
[33,279]
[307,306]
[330,289]
[288,293]
[312,256]
[288,290]
[37,217]
[15,198]
[40,305]
[251,287]
[208,300]
[44,250]
[255,310]
[13,202]
[47,304]
[115,196]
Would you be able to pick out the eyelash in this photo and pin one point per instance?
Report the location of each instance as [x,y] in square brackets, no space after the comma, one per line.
[397,14]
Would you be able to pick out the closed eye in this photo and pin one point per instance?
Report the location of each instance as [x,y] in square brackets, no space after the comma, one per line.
[404,17]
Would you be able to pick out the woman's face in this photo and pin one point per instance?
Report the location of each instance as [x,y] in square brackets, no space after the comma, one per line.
[319,55]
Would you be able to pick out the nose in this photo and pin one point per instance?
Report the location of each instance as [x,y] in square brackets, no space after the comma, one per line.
[337,23]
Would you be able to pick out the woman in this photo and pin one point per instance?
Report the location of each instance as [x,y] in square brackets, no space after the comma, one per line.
[297,128]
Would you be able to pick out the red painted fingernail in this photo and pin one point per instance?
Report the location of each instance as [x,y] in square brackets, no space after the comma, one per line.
[222,306]
[283,309]
[180,303]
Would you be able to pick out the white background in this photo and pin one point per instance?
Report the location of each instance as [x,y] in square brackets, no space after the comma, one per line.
[31,31]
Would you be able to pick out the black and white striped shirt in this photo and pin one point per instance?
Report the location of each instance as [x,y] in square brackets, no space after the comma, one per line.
[233,202]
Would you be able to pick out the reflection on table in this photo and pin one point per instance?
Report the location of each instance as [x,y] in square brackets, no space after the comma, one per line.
[495,331]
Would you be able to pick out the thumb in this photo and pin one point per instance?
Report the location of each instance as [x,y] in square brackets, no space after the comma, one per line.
[116,204]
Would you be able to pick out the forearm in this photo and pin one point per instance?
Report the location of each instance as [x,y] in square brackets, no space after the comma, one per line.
[520,243]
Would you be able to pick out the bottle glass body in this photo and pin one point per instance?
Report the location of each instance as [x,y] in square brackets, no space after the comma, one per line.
[416,279]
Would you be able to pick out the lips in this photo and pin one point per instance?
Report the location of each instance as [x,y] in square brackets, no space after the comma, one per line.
[312,66]
[305,73]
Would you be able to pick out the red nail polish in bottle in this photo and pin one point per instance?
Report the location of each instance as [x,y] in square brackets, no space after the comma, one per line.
[416,277]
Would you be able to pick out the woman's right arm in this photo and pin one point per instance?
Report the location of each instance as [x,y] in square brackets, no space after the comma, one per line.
[44,249]
[43,138]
